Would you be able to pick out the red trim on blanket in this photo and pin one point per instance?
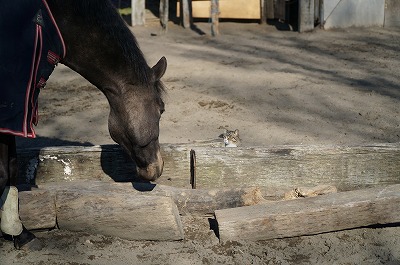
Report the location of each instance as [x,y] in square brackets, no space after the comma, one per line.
[16,133]
[28,88]
[58,30]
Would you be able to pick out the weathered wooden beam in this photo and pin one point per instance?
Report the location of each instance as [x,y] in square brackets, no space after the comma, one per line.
[37,209]
[138,9]
[193,201]
[275,169]
[310,216]
[119,214]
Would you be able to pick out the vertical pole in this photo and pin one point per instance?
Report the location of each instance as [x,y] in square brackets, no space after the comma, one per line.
[138,8]
[214,18]
[186,13]
[306,15]
[164,9]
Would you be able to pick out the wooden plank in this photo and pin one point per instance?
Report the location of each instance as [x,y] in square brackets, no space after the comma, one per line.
[138,9]
[120,214]
[275,169]
[310,216]
[306,15]
[239,9]
[37,209]
[193,201]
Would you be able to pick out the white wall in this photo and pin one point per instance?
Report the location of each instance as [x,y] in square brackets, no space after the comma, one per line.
[353,13]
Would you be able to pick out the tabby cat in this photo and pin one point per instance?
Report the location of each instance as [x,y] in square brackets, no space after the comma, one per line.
[231,138]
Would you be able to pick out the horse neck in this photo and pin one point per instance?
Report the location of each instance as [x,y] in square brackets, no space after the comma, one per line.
[106,57]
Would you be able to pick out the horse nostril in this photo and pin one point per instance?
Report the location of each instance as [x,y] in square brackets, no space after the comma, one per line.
[151,172]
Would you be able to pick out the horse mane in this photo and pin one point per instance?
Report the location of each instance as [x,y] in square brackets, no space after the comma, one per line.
[99,13]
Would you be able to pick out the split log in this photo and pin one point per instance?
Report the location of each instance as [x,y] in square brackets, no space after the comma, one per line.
[37,209]
[119,214]
[193,201]
[310,216]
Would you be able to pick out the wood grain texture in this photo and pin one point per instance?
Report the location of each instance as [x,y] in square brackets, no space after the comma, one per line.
[119,214]
[310,216]
[188,201]
[275,169]
[37,209]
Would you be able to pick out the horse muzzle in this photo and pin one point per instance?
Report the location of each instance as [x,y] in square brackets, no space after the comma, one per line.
[153,171]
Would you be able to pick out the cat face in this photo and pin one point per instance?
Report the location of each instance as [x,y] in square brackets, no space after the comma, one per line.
[231,138]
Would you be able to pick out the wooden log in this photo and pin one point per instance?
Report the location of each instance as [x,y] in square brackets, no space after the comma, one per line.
[37,209]
[138,9]
[275,169]
[193,201]
[310,216]
[102,163]
[119,214]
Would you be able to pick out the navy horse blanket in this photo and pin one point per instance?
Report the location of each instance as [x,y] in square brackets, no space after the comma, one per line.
[30,47]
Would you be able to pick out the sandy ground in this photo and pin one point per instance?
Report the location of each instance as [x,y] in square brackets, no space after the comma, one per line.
[277,87]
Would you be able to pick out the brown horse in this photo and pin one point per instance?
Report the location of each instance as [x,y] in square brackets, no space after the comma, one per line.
[90,37]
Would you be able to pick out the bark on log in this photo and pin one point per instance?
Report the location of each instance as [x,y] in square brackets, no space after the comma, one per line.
[121,215]
[310,216]
[37,209]
[193,201]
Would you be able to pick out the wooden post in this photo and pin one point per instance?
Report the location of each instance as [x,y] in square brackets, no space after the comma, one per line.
[306,15]
[186,13]
[214,18]
[270,10]
[164,14]
[138,9]
[310,216]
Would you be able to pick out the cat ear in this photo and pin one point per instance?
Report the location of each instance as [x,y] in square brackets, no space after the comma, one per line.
[237,132]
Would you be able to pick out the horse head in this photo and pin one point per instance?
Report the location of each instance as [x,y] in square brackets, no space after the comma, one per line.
[134,122]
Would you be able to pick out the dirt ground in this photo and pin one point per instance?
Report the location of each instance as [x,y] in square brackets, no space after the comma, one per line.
[277,87]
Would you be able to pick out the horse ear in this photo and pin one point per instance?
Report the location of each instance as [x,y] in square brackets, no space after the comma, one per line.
[160,68]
